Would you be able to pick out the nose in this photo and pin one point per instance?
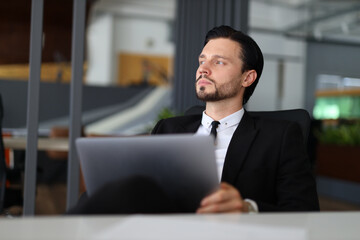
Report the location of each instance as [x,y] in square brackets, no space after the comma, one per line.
[204,70]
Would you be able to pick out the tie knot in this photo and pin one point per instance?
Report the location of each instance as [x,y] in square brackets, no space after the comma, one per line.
[214,125]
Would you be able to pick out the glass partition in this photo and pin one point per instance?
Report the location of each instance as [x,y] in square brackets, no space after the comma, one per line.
[337,97]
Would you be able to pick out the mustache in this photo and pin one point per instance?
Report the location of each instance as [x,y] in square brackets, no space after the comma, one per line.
[204,76]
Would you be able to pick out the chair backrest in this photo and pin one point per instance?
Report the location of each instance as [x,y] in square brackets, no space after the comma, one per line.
[300,116]
[2,162]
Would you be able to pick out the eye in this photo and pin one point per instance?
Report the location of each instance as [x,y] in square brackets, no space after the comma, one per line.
[201,62]
[220,62]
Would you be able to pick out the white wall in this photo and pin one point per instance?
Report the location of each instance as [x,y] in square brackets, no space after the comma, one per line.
[126,27]
[110,35]
[100,50]
[277,47]
[145,36]
[292,52]
[264,97]
[294,86]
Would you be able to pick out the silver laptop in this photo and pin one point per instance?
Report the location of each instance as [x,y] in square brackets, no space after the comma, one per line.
[184,165]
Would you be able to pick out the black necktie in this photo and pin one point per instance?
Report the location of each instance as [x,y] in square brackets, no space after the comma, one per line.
[214,125]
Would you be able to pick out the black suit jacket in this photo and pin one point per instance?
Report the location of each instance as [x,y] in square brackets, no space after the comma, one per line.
[266,161]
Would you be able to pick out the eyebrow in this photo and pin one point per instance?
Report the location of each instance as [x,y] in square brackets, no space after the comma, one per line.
[213,56]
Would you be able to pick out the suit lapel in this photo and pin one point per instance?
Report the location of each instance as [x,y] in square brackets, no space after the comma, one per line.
[238,148]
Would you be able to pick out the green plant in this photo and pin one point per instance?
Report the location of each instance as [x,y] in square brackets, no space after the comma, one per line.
[165,113]
[347,134]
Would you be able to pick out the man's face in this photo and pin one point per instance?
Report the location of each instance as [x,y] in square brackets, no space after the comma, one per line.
[220,71]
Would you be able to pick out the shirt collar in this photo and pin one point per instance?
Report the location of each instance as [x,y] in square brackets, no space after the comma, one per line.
[226,122]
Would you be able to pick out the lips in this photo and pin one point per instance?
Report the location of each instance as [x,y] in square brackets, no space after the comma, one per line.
[204,82]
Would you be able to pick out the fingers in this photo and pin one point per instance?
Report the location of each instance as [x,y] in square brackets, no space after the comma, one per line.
[226,199]
[227,207]
[226,192]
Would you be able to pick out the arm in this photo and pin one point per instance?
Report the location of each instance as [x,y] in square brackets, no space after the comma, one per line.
[295,183]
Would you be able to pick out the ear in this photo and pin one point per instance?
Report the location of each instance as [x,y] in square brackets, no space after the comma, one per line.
[250,77]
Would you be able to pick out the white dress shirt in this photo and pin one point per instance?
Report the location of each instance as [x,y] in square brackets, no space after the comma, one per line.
[225,131]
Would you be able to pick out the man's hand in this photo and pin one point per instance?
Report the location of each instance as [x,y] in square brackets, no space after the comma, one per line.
[226,199]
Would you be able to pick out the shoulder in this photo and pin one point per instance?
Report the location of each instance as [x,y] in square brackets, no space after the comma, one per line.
[180,124]
[181,120]
[270,122]
[273,127]
[280,133]
[298,119]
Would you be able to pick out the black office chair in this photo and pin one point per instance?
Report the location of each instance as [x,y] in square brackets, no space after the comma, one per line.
[299,116]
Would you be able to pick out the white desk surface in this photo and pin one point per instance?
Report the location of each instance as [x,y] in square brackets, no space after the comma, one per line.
[289,226]
[56,144]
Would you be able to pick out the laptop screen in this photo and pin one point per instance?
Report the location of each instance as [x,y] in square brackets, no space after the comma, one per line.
[183,165]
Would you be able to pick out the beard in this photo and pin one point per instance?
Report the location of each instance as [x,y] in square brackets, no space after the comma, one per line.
[221,92]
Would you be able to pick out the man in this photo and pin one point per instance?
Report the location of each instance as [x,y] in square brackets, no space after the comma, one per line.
[261,161]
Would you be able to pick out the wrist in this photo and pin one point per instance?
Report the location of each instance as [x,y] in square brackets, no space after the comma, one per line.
[251,206]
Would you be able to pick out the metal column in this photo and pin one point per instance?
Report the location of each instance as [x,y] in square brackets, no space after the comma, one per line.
[33,106]
[77,58]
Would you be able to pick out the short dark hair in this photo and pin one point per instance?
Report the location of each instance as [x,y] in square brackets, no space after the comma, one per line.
[251,54]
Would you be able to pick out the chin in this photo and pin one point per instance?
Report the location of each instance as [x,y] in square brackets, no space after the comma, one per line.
[201,91]
[202,88]
[203,95]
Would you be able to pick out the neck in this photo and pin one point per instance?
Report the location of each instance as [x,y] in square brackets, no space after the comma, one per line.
[220,109]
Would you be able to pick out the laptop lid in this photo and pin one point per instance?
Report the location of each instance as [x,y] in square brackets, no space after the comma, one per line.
[183,165]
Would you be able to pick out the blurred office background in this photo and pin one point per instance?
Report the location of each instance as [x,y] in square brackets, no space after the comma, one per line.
[137,70]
